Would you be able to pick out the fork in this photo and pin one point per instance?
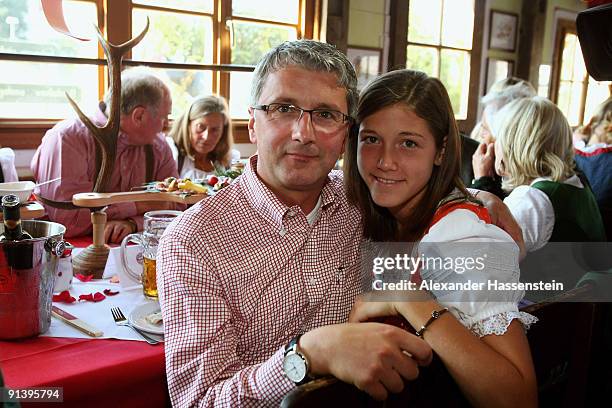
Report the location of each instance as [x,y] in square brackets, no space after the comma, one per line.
[121,320]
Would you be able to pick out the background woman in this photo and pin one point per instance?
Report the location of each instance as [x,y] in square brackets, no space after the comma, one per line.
[201,139]
[501,93]
[535,157]
[593,148]
[402,170]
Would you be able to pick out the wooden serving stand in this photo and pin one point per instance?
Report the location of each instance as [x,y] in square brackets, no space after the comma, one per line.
[92,260]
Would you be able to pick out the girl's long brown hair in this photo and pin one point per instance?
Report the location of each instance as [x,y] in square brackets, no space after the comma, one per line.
[428,99]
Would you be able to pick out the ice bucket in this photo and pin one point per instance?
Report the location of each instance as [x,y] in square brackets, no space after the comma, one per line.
[27,275]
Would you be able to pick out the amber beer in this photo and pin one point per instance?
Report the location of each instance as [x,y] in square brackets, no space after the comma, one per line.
[149,278]
[155,223]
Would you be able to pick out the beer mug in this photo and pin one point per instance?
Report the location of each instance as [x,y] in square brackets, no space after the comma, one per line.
[155,222]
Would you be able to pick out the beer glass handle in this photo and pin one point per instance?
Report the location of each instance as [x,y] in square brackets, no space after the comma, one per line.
[136,238]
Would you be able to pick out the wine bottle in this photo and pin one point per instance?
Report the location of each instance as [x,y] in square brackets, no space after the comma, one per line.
[12,220]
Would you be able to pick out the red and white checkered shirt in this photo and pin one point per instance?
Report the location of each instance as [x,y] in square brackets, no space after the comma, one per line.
[239,275]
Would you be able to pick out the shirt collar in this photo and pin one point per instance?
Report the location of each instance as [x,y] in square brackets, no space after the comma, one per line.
[267,204]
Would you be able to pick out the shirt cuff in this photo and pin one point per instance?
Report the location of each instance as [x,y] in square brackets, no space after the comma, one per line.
[275,384]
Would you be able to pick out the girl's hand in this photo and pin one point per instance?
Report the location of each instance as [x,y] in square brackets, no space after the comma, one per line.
[385,303]
[369,306]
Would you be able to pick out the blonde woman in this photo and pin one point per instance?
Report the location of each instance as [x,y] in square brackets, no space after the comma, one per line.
[501,93]
[535,157]
[201,139]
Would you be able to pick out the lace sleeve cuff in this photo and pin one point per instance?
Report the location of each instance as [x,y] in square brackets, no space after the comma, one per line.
[498,324]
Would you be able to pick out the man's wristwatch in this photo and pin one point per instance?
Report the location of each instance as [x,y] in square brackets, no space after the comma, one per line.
[295,364]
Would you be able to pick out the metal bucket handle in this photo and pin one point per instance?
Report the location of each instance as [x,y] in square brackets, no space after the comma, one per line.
[55,246]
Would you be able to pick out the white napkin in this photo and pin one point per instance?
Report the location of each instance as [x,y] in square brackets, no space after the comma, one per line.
[98,314]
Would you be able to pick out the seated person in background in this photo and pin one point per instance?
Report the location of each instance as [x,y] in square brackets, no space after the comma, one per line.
[535,157]
[201,139]
[8,172]
[68,150]
[402,171]
[501,93]
[593,153]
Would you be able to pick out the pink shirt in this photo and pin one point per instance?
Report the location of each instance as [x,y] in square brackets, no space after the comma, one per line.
[239,275]
[68,151]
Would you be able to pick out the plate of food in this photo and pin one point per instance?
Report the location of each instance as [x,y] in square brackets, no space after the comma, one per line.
[147,317]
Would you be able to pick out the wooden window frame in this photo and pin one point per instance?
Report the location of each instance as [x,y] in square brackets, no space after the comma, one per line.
[565,27]
[27,133]
[399,43]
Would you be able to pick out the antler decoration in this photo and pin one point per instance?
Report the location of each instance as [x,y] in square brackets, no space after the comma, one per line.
[106,136]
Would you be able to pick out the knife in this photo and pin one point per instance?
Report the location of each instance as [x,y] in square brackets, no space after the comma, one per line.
[75,322]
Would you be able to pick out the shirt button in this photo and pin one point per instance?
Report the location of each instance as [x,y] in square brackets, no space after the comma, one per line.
[282,232]
[291,213]
[313,281]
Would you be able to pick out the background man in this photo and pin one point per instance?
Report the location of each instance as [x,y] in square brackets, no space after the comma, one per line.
[68,150]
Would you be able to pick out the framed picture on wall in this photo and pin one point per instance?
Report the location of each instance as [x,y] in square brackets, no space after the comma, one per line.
[497,69]
[367,63]
[503,31]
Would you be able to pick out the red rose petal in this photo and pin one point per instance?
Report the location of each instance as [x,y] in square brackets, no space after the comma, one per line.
[98,297]
[92,297]
[64,297]
[83,278]
[109,292]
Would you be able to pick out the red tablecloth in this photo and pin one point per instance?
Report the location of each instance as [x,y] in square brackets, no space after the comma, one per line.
[93,373]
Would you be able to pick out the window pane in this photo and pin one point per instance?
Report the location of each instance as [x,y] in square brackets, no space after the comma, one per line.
[455,75]
[567,60]
[424,19]
[580,72]
[423,59]
[24,29]
[204,6]
[240,92]
[36,90]
[173,37]
[573,115]
[184,86]
[254,40]
[564,97]
[570,95]
[596,94]
[458,23]
[286,11]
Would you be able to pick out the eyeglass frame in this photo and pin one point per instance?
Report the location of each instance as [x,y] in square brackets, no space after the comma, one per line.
[346,119]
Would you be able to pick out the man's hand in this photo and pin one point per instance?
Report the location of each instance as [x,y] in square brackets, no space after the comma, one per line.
[502,217]
[483,160]
[116,230]
[375,357]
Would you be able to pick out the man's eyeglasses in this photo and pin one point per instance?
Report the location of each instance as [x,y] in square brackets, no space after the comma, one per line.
[323,119]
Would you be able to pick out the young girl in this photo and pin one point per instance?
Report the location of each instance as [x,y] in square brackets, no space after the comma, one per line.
[402,170]
[535,157]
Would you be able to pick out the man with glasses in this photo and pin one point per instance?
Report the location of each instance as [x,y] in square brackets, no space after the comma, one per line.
[256,283]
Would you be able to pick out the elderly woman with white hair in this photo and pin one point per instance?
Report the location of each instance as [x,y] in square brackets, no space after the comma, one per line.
[501,93]
[535,158]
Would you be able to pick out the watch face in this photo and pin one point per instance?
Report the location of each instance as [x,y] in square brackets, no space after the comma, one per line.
[294,367]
